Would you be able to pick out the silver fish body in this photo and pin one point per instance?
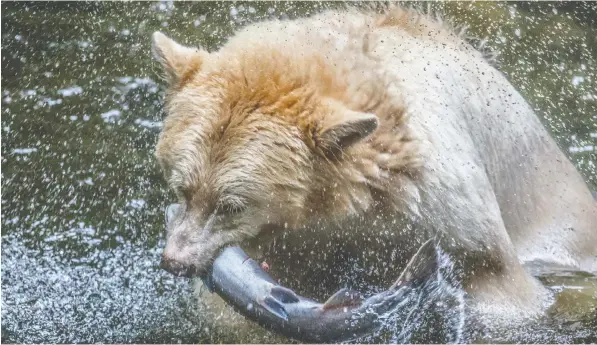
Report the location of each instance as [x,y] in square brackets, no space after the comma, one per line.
[345,316]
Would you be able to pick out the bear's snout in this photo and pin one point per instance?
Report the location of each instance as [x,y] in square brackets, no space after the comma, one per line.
[177,268]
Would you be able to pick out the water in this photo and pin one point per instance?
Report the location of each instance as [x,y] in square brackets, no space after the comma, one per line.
[83,200]
[434,314]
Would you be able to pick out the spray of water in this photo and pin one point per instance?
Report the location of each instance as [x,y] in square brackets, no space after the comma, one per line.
[434,313]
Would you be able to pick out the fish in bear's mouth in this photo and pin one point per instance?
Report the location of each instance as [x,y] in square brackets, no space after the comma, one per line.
[346,315]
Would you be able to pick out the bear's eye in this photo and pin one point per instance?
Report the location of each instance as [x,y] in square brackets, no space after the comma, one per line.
[229,207]
[226,210]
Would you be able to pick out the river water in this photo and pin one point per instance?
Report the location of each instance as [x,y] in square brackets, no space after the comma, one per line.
[82,198]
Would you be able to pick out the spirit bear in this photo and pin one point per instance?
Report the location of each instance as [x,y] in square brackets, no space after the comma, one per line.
[371,131]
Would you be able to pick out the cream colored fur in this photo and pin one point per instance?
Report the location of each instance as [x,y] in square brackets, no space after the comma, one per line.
[350,121]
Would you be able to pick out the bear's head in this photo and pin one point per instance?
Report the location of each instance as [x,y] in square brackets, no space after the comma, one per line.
[253,140]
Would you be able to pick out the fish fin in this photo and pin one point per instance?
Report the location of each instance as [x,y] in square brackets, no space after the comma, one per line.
[420,267]
[275,307]
[279,296]
[284,295]
[343,298]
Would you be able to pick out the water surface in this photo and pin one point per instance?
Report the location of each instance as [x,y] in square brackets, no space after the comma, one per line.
[82,198]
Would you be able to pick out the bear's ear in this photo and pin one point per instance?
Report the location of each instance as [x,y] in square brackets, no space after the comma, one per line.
[177,61]
[342,128]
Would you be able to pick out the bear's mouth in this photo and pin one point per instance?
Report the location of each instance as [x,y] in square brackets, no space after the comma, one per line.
[190,271]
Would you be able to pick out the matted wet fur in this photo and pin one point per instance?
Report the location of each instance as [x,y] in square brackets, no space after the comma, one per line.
[369,132]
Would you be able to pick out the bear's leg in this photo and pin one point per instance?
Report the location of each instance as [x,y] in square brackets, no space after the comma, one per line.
[460,206]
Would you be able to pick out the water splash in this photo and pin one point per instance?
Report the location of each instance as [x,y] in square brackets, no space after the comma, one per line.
[115,296]
[434,313]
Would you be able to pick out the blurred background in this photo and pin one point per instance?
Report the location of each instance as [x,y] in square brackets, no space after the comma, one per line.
[82,196]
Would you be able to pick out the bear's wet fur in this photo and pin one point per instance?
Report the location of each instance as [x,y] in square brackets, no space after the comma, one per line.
[357,135]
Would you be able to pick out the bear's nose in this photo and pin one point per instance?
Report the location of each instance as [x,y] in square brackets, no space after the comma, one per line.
[175,267]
